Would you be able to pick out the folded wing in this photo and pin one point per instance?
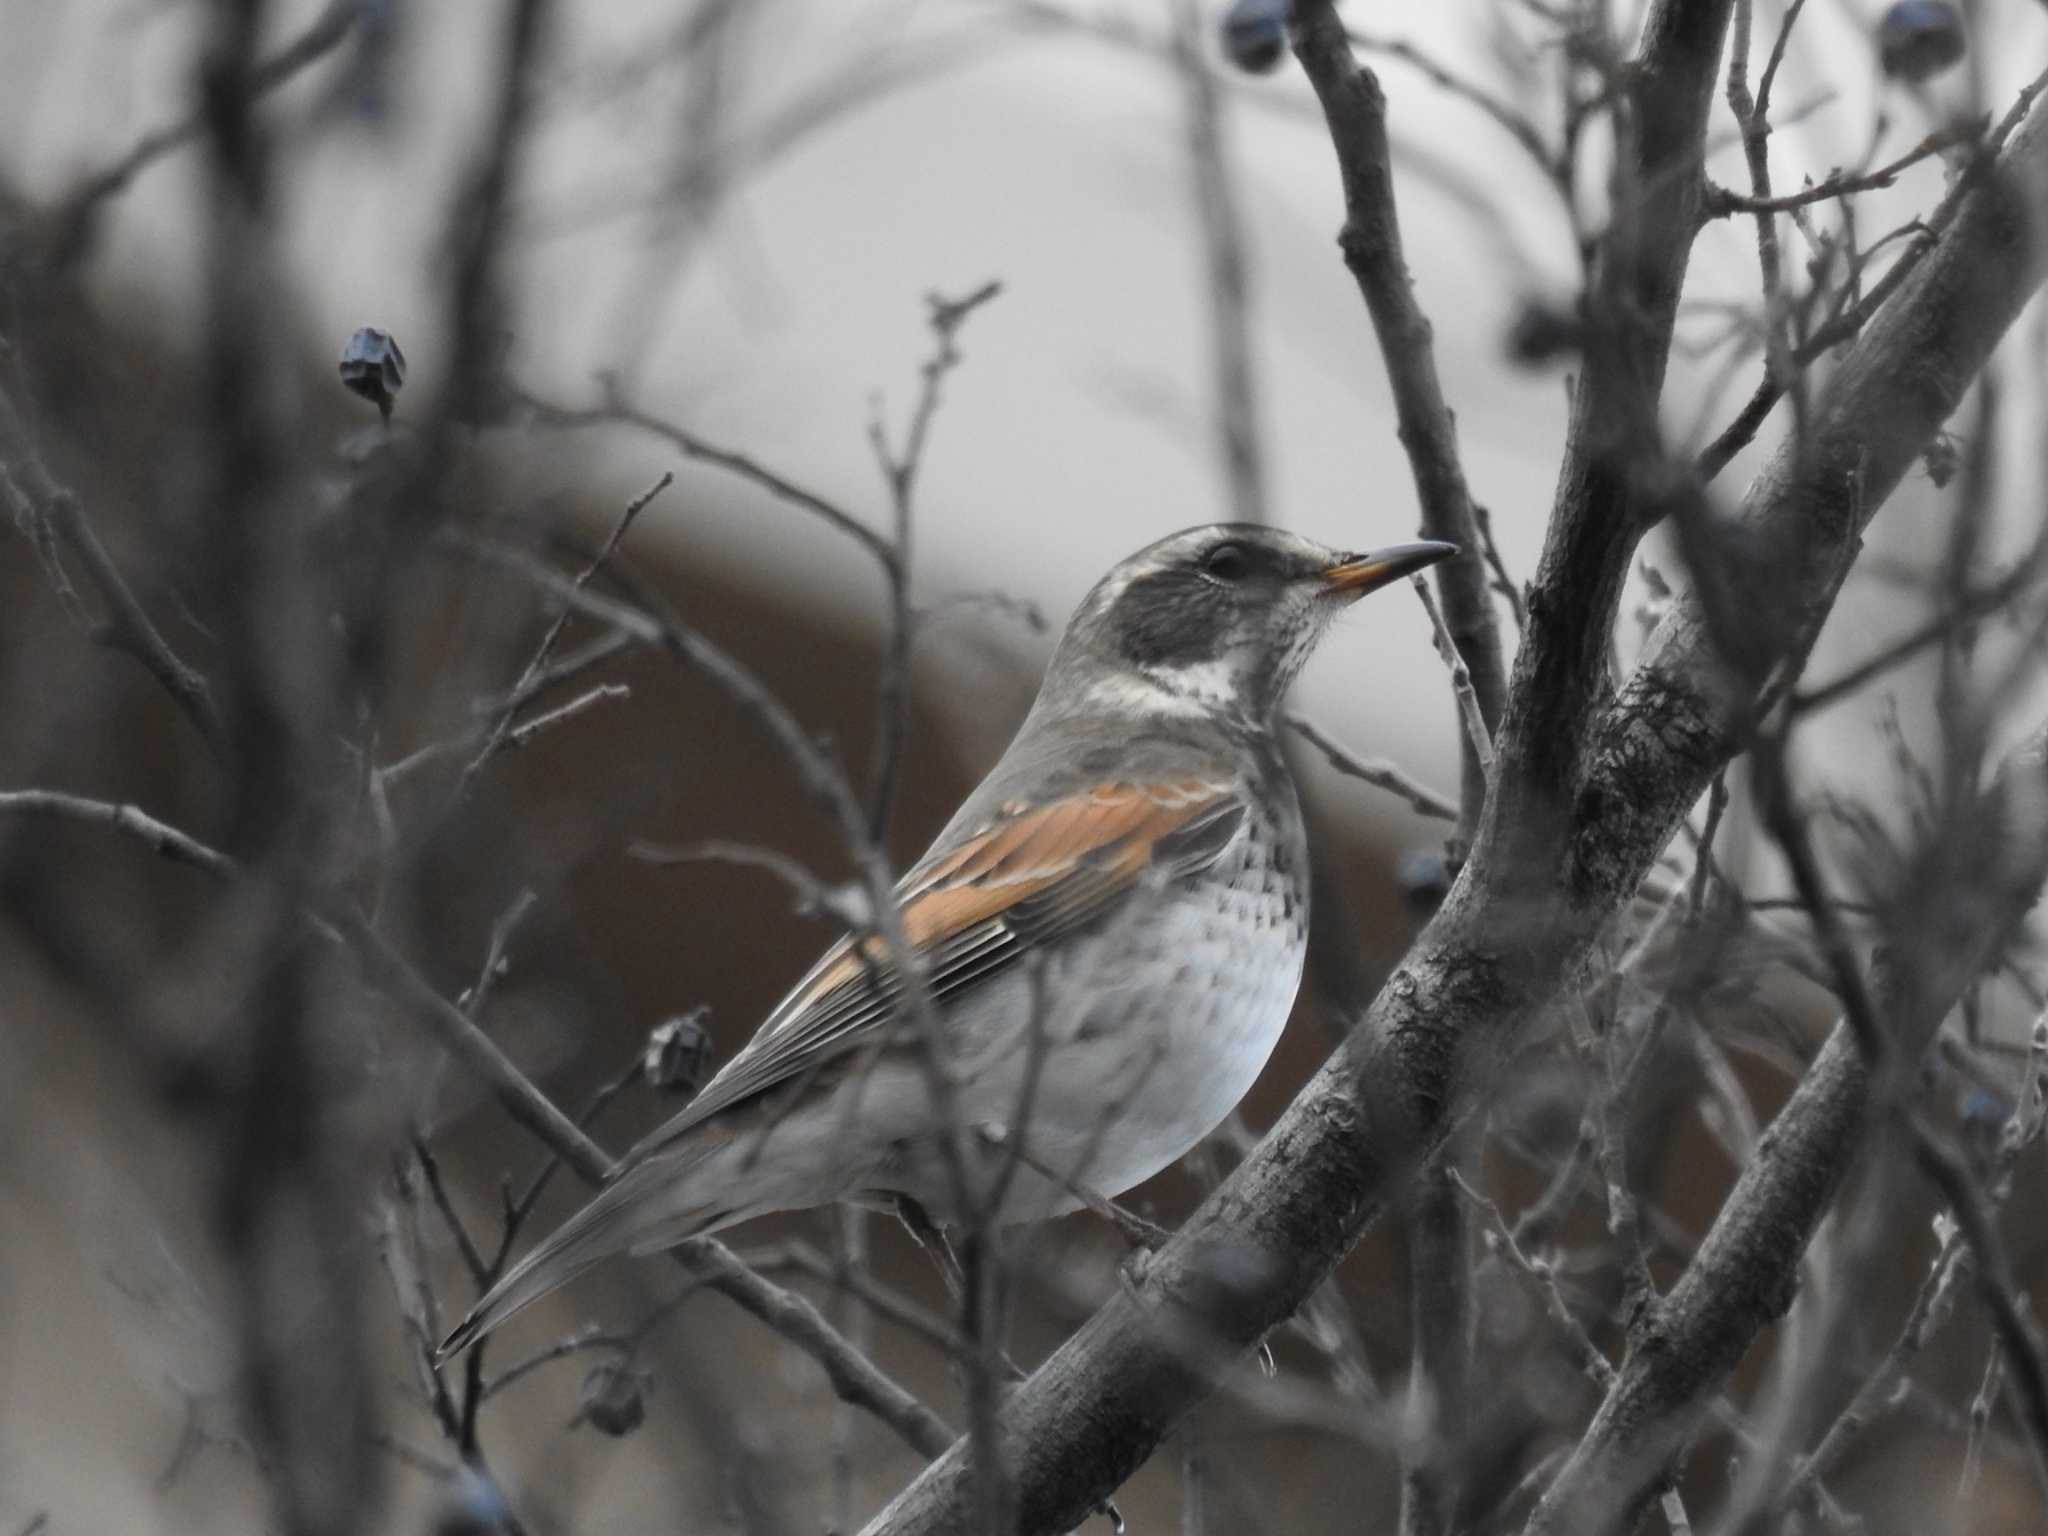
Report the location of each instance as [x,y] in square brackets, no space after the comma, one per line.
[973,909]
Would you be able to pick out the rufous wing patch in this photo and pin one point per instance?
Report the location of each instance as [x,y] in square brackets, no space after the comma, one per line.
[1108,832]
[972,909]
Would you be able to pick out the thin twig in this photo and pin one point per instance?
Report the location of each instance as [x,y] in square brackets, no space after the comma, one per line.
[1519,127]
[1234,397]
[852,1375]
[1983,1403]
[849,1269]
[1972,607]
[1376,771]
[1752,120]
[38,500]
[575,664]
[1440,1312]
[617,410]
[495,948]
[885,1302]
[1787,825]
[160,837]
[1879,1390]
[1137,1231]
[1355,112]
[705,1259]
[818,773]
[2017,1331]
[1477,735]
[523,733]
[814,896]
[430,1168]
[501,729]
[488,746]
[1592,1359]
[406,1456]
[518,1209]
[576,1343]
[1846,324]
[322,36]
[900,469]
[1503,583]
[1722,202]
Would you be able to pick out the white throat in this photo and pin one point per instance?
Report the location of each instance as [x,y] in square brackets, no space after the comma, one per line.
[1200,690]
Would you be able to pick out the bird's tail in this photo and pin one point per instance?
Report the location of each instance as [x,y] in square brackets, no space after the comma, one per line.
[646,1208]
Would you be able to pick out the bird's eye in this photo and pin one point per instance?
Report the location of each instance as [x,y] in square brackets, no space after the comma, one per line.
[1227,562]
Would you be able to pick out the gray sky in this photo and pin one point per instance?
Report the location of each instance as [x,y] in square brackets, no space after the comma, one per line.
[1078,427]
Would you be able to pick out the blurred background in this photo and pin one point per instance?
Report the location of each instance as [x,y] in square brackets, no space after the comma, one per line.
[731,217]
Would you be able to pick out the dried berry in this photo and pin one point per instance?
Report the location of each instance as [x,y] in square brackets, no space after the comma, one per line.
[1942,460]
[614,1399]
[1424,876]
[678,1054]
[1543,331]
[1918,39]
[1255,35]
[473,1506]
[373,367]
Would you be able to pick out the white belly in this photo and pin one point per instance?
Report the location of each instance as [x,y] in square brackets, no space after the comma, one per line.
[1151,1030]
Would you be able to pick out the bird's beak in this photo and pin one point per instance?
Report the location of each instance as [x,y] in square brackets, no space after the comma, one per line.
[1356,575]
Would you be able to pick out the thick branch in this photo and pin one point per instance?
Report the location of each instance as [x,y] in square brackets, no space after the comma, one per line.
[1746,1272]
[1492,958]
[1812,503]
[1609,488]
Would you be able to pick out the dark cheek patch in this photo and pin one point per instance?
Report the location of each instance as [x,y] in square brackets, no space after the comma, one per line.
[1172,618]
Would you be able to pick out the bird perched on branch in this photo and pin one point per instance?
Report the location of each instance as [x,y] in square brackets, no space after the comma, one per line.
[1108,935]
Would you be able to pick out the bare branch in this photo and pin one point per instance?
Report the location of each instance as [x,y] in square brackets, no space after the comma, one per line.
[82,207]
[1376,771]
[1524,132]
[1721,202]
[900,469]
[1742,1276]
[160,837]
[814,896]
[1478,739]
[580,1342]
[1234,401]
[2017,1331]
[1501,1239]
[1355,110]
[820,777]
[1930,1309]
[128,626]
[430,1169]
[536,666]
[1440,1325]
[1843,326]
[616,410]
[1556,857]
[855,1378]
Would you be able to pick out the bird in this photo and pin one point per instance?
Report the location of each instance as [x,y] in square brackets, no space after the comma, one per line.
[1111,932]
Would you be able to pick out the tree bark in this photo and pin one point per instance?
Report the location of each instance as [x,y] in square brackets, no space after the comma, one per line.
[1571,832]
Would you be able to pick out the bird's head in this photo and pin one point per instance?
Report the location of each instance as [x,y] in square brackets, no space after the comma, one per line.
[1216,619]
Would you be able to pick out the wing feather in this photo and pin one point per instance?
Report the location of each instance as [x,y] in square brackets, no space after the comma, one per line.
[973,910]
